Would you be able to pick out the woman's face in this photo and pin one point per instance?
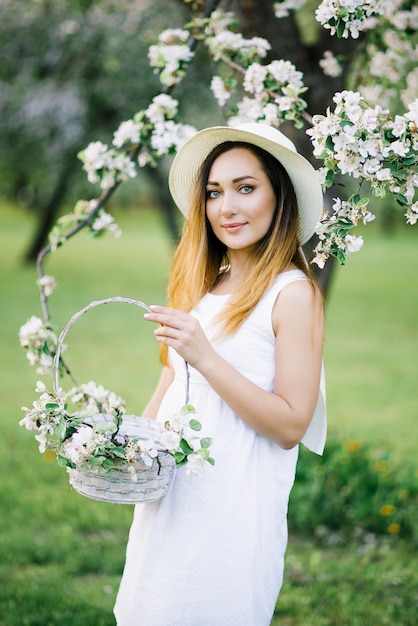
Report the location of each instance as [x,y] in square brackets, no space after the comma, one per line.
[240,201]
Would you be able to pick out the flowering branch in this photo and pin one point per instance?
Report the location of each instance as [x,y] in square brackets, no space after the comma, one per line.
[367,144]
[356,139]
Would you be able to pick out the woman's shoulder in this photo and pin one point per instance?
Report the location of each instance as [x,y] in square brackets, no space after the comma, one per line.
[288,276]
[279,284]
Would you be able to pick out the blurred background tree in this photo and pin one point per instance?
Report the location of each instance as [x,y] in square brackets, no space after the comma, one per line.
[70,73]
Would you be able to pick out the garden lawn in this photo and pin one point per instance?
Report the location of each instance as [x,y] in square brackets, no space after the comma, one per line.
[61,555]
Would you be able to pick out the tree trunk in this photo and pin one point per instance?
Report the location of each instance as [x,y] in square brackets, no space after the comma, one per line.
[164,201]
[47,215]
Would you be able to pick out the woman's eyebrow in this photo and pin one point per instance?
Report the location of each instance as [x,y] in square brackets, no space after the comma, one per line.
[234,180]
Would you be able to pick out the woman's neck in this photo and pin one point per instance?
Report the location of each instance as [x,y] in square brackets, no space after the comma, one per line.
[229,279]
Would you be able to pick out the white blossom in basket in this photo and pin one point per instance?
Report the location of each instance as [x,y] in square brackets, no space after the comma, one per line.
[82,443]
[148,451]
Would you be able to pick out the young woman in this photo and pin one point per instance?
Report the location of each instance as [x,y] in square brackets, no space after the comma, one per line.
[246,315]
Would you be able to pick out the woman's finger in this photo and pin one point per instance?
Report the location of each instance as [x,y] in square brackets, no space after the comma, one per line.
[166,316]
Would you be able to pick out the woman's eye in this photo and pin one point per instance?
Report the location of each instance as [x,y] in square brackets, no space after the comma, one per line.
[246,189]
[212,193]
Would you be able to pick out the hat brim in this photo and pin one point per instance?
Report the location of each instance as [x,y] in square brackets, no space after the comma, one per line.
[187,164]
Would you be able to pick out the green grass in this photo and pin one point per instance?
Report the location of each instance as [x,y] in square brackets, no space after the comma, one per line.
[372,343]
[61,555]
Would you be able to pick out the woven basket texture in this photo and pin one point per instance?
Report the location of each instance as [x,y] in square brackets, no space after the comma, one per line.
[122,486]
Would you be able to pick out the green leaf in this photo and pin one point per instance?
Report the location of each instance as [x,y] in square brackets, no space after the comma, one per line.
[180,458]
[379,191]
[118,451]
[206,442]
[185,446]
[51,405]
[186,409]
[329,143]
[393,166]
[409,160]
[401,199]
[97,460]
[107,427]
[108,464]
[330,176]
[363,202]
[63,462]
[340,29]
[195,425]
[341,256]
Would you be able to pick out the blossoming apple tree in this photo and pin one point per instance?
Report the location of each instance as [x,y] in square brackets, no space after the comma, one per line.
[367,133]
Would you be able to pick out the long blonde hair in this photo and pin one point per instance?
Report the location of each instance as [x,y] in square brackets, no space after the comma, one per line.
[199,256]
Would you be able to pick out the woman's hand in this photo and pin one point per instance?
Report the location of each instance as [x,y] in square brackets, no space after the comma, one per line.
[283,414]
[182,332]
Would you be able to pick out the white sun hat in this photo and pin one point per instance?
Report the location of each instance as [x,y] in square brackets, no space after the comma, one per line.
[187,164]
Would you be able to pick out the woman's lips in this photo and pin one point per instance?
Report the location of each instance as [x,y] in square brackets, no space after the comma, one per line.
[234,227]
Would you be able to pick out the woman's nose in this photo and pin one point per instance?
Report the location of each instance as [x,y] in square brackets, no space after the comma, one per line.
[228,206]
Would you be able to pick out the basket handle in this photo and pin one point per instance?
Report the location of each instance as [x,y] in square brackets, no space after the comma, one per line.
[88,308]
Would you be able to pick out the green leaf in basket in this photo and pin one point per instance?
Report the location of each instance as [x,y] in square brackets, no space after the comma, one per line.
[98,460]
[118,451]
[185,446]
[186,409]
[195,425]
[206,442]
[108,464]
[63,462]
[107,427]
[180,458]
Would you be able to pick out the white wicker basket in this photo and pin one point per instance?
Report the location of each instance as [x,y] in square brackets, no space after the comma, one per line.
[139,483]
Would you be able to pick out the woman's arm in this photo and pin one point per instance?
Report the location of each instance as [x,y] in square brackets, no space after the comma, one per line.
[166,378]
[284,415]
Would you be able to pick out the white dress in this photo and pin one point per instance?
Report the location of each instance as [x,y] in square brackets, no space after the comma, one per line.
[211,552]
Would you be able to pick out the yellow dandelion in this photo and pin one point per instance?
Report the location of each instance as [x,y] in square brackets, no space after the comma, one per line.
[353,446]
[382,466]
[387,509]
[49,455]
[345,459]
[393,529]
